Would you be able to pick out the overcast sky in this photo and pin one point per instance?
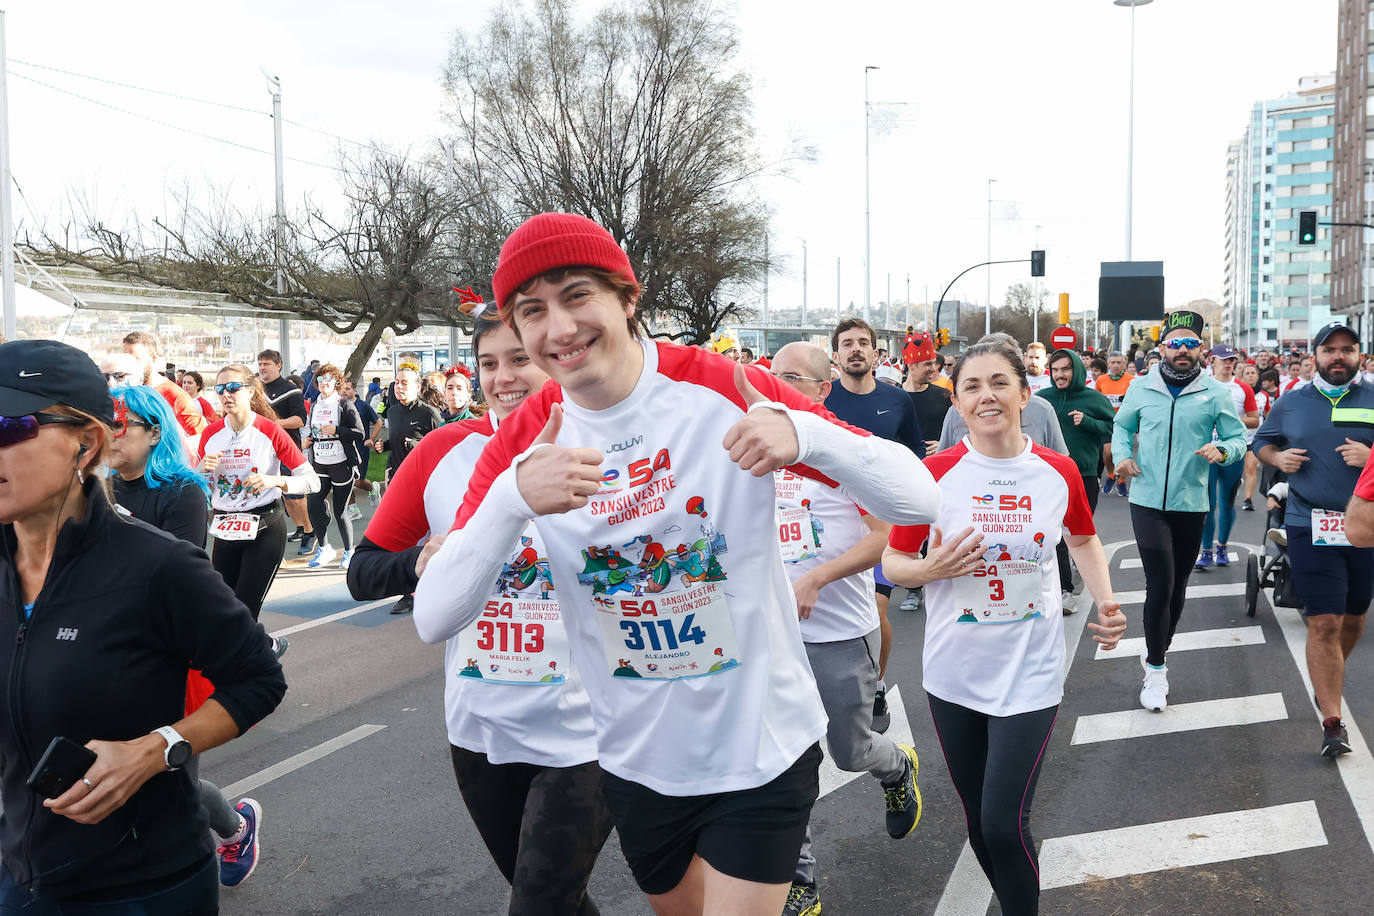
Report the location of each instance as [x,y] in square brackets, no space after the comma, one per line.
[1032,94]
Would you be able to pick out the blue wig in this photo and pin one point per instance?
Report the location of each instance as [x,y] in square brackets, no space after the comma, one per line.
[167,459]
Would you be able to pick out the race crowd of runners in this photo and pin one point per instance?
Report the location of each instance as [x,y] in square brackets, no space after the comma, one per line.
[622,542]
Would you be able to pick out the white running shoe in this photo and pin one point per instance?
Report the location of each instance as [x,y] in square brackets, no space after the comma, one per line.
[1070,603]
[324,555]
[1154,690]
[346,559]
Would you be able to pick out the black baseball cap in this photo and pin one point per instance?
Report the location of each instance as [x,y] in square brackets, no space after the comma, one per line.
[35,374]
[1332,328]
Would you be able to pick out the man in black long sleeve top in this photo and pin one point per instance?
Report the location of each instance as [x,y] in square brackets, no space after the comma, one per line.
[407,417]
[884,411]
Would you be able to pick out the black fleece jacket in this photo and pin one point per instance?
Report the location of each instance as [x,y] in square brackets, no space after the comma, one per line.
[125,611]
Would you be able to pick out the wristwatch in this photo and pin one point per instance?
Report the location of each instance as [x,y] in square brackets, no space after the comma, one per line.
[178,748]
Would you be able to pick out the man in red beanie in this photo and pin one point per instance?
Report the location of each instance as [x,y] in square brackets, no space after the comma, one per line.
[647,470]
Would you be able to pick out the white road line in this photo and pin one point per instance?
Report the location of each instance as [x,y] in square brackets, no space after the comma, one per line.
[1224,590]
[832,777]
[330,618]
[1183,642]
[1180,717]
[1357,767]
[1182,843]
[1132,563]
[304,758]
[967,891]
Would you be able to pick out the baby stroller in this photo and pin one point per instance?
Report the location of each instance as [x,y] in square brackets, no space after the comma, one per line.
[1273,569]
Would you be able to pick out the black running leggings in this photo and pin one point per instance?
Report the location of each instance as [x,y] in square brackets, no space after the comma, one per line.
[1090,487]
[249,567]
[337,480]
[544,827]
[995,762]
[1169,543]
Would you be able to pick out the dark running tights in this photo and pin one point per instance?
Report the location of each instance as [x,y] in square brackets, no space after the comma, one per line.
[248,567]
[320,512]
[1169,543]
[544,827]
[995,763]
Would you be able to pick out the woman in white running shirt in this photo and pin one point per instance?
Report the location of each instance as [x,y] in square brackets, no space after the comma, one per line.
[333,431]
[994,660]
[250,462]
[648,474]
[519,723]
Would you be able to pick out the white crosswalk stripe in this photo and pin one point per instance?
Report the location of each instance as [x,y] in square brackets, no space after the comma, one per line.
[1187,642]
[1224,590]
[1180,717]
[1181,843]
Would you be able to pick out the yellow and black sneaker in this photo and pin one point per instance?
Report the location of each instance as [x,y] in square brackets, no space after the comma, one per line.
[904,797]
[802,900]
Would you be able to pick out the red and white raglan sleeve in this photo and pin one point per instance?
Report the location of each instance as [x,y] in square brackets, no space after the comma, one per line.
[303,478]
[1078,516]
[1250,405]
[884,477]
[910,538]
[456,581]
[211,431]
[400,521]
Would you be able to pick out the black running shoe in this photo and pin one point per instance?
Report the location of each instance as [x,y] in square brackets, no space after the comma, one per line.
[279,646]
[882,719]
[404,606]
[307,545]
[904,797]
[1248,505]
[296,535]
[802,900]
[1335,741]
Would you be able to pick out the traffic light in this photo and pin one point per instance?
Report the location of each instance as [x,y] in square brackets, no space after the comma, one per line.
[1307,227]
[1038,263]
[942,337]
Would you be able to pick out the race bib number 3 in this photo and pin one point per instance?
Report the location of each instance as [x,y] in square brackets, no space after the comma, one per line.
[672,635]
[516,641]
[796,535]
[236,526]
[1328,529]
[1007,591]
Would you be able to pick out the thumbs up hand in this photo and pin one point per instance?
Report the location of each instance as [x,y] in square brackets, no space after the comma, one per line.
[763,440]
[555,479]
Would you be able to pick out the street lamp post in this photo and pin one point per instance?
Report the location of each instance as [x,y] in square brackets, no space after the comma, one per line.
[987,309]
[867,234]
[10,319]
[1130,142]
[283,324]
[803,314]
[1035,298]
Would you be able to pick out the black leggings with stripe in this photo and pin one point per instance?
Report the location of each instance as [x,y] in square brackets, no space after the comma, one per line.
[336,485]
[248,567]
[995,762]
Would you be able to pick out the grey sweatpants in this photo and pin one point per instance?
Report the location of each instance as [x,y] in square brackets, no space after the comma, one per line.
[846,675]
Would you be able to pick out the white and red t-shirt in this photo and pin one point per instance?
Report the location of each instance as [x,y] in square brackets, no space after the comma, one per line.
[1243,396]
[326,450]
[262,447]
[526,704]
[995,640]
[1293,384]
[1037,382]
[816,524]
[681,616]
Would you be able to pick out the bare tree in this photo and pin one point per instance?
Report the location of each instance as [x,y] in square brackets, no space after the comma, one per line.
[388,260]
[638,119]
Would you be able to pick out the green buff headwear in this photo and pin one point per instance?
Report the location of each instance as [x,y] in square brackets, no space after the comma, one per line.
[1183,321]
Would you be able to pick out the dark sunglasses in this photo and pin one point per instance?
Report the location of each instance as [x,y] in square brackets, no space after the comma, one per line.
[116,376]
[14,430]
[229,388]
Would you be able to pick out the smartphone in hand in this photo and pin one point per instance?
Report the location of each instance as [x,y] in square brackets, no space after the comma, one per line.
[62,764]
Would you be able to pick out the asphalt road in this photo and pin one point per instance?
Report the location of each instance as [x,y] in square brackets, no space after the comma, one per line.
[1219,805]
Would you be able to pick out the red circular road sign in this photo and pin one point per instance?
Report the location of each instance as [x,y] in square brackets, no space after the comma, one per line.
[1064,338]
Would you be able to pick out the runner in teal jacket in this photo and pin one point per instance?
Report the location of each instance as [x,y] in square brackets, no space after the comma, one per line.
[1173,476]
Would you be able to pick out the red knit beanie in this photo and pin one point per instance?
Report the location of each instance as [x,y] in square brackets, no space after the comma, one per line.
[549,241]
